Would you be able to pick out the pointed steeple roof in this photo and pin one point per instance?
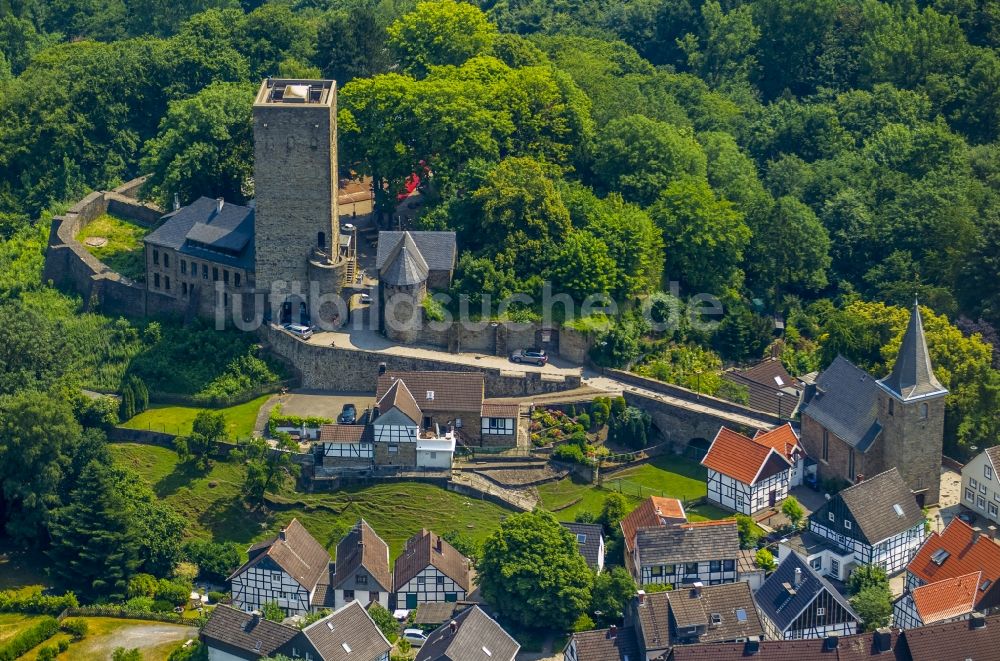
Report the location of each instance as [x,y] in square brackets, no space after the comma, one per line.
[912,376]
[405,264]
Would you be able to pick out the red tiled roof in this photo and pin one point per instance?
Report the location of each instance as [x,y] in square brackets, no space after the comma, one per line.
[964,557]
[737,456]
[783,439]
[499,410]
[341,433]
[651,513]
[946,599]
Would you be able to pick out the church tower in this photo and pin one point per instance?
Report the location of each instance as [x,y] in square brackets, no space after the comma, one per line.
[297,230]
[911,412]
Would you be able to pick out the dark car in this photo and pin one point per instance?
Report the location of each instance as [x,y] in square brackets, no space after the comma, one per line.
[536,356]
[348,415]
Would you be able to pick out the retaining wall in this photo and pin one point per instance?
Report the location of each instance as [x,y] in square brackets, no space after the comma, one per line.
[336,368]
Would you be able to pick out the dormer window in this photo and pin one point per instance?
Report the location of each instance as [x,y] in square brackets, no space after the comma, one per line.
[430,395]
[847,524]
[831,516]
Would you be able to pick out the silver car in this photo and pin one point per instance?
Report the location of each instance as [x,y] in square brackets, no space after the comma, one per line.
[534,356]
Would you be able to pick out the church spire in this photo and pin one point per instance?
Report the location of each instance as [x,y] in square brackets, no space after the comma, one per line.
[912,376]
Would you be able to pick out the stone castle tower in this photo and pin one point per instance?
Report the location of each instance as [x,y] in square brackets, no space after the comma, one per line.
[295,177]
[403,281]
[911,412]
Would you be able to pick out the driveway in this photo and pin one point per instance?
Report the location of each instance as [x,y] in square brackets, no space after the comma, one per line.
[323,403]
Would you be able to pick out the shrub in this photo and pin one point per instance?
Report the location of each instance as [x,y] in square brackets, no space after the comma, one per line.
[142,585]
[47,654]
[578,438]
[618,405]
[161,606]
[29,638]
[75,627]
[215,560]
[176,592]
[36,602]
[569,452]
[584,419]
[140,604]
[217,597]
[583,623]
[63,645]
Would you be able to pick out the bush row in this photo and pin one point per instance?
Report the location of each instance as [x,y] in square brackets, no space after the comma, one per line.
[36,602]
[29,638]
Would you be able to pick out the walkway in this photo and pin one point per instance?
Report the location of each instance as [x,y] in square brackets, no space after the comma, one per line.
[522,499]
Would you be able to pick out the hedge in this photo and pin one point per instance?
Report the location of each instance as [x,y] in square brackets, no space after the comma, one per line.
[29,638]
[36,602]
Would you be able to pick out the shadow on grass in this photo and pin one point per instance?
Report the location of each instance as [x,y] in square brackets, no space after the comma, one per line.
[182,476]
[231,520]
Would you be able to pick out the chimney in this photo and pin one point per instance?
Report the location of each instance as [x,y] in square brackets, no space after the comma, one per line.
[831,643]
[977,532]
[977,621]
[453,627]
[382,368]
[439,546]
[613,631]
[883,639]
[219,202]
[254,620]
[696,589]
[993,531]
[281,534]
[798,577]
[859,478]
[642,597]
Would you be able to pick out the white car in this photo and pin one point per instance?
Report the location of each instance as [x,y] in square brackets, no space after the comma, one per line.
[364,299]
[299,331]
[415,637]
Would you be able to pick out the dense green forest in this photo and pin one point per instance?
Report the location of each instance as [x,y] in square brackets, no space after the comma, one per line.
[822,161]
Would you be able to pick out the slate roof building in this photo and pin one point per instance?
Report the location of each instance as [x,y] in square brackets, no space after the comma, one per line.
[292,570]
[976,638]
[874,522]
[612,644]
[471,636]
[952,561]
[685,553]
[653,512]
[409,264]
[590,541]
[362,568]
[854,425]
[430,570]
[744,475]
[771,388]
[347,634]
[796,602]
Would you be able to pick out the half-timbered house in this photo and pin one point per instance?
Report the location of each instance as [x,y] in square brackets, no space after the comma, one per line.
[942,601]
[430,570]
[743,475]
[472,635]
[785,440]
[650,513]
[285,570]
[877,521]
[795,602]
[681,554]
[361,572]
[981,484]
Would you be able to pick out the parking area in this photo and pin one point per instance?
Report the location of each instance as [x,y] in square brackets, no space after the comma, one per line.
[323,403]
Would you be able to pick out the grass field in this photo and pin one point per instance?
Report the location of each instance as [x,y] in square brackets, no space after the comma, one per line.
[156,640]
[12,624]
[396,510]
[124,251]
[240,419]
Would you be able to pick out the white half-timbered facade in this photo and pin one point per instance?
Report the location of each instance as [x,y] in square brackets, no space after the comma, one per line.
[430,570]
[943,601]
[795,603]
[745,476]
[981,484]
[681,554]
[362,569]
[877,522]
[285,571]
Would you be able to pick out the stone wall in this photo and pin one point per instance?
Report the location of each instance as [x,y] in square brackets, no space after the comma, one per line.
[335,368]
[71,267]
[679,426]
[574,345]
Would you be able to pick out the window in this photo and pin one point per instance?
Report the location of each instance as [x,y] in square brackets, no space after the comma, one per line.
[816,563]
[691,568]
[166,281]
[740,502]
[215,274]
[581,538]
[847,524]
[923,411]
[982,486]
[992,509]
[225,299]
[393,448]
[225,276]
[826,445]
[184,267]
[156,280]
[831,516]
[835,567]
[361,579]
[715,566]
[372,596]
[973,483]
[669,569]
[728,565]
[236,279]
[657,570]
[970,496]
[981,503]
[421,580]
[184,288]
[166,260]
[440,580]
[321,239]
[156,257]
[891,406]
[434,455]
[820,612]
[204,271]
[276,577]
[987,472]
[348,595]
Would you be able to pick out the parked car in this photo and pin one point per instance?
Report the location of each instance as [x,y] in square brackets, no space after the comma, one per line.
[536,356]
[348,415]
[365,298]
[298,330]
[416,637]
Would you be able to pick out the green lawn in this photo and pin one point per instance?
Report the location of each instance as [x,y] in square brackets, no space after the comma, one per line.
[210,502]
[12,624]
[124,250]
[178,419]
[156,640]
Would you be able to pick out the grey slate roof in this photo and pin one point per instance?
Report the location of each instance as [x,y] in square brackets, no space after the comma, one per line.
[203,231]
[872,505]
[912,375]
[695,608]
[478,638]
[437,248]
[782,608]
[845,403]
[701,542]
[764,381]
[590,547]
[405,265]
[600,645]
[233,629]
[349,626]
